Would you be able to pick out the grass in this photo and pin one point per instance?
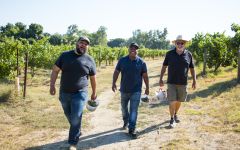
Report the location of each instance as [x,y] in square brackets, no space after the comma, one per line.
[193,112]
[176,144]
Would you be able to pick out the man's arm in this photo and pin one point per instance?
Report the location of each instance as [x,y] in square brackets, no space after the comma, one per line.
[192,71]
[146,81]
[53,79]
[115,77]
[163,70]
[94,87]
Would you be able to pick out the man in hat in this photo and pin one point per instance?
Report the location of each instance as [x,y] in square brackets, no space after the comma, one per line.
[133,69]
[76,67]
[179,61]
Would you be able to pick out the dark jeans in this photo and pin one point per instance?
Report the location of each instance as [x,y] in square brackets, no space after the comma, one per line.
[130,117]
[73,104]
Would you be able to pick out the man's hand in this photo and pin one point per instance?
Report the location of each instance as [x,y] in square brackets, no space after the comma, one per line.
[161,84]
[114,87]
[147,91]
[194,85]
[115,77]
[93,96]
[53,79]
[52,90]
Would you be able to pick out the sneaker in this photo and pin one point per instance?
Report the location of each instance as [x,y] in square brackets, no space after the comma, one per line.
[73,147]
[132,133]
[172,123]
[176,119]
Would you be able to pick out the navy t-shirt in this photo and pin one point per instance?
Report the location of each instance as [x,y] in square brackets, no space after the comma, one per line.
[75,71]
[131,74]
[178,66]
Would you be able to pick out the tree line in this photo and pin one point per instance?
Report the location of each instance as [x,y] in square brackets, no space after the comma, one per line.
[154,39]
[42,54]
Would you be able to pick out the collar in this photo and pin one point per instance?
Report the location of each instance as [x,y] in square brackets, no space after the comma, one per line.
[75,51]
[133,59]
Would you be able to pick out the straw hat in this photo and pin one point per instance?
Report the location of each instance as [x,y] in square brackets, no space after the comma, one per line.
[180,38]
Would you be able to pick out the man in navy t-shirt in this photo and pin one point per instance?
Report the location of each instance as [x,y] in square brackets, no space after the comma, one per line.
[133,69]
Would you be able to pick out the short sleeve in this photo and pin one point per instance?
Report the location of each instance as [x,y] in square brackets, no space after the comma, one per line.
[191,64]
[59,61]
[118,67]
[144,69]
[165,62]
[92,70]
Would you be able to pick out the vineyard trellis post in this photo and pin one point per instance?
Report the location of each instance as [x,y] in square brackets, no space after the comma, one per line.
[25,75]
[17,85]
[238,78]
[204,62]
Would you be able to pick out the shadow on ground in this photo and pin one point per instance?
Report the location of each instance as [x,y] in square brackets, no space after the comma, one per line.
[214,90]
[90,141]
[154,128]
[4,97]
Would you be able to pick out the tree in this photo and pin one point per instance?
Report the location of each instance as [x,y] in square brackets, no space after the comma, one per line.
[118,42]
[35,31]
[56,39]
[9,30]
[72,35]
[22,28]
[154,39]
[99,37]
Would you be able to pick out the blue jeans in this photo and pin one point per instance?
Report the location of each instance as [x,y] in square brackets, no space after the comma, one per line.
[130,118]
[73,104]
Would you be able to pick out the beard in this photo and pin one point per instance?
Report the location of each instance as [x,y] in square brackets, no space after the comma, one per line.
[80,51]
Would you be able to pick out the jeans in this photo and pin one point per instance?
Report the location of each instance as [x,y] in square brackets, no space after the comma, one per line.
[73,104]
[130,118]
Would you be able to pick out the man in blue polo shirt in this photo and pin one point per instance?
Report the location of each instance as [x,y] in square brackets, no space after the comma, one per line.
[179,61]
[133,69]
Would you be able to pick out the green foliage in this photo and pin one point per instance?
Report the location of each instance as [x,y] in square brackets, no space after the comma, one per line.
[99,37]
[8,56]
[216,47]
[56,39]
[118,42]
[235,41]
[154,39]
[35,31]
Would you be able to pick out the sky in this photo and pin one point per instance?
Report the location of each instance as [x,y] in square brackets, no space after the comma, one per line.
[122,17]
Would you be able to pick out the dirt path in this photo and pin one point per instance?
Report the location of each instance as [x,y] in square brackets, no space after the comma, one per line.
[195,131]
[105,124]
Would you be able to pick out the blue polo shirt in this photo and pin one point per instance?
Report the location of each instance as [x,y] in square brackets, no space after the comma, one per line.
[178,66]
[131,74]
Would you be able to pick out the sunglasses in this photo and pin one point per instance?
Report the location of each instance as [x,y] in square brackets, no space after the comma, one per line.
[180,43]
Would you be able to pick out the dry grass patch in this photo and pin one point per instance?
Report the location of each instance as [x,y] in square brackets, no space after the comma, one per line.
[178,144]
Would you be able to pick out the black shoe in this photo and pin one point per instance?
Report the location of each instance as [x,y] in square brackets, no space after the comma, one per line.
[172,123]
[176,119]
[132,133]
